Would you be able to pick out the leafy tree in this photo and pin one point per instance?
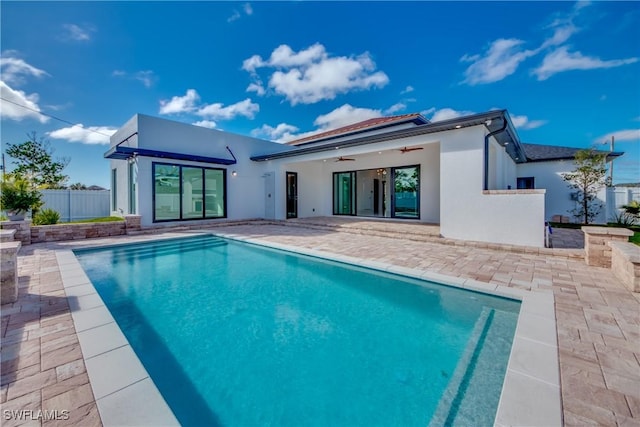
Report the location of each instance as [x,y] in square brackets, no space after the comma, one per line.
[78,186]
[34,162]
[587,179]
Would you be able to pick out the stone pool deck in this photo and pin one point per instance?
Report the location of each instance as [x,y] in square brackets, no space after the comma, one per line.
[598,320]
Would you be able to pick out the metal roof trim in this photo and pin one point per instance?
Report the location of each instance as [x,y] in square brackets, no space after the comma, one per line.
[441,126]
[125,153]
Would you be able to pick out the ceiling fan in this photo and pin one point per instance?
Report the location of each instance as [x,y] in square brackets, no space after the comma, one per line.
[344,159]
[407,149]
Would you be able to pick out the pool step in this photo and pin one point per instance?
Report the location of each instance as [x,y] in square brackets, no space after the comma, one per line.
[482,368]
[166,247]
[446,410]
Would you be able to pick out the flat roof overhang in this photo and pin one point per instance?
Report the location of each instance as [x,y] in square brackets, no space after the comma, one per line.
[125,153]
[493,120]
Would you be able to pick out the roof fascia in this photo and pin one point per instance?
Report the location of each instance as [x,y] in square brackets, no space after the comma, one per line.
[445,125]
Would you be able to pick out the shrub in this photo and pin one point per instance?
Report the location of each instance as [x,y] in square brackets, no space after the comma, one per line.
[46,217]
[18,196]
[633,208]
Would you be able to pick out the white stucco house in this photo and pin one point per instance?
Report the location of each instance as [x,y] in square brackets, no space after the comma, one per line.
[471,175]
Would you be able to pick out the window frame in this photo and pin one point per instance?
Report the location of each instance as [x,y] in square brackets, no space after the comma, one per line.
[180,218]
[531,179]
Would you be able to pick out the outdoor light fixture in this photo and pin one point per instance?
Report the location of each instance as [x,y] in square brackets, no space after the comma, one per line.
[234,173]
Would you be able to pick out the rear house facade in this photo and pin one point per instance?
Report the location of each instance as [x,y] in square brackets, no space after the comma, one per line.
[471,175]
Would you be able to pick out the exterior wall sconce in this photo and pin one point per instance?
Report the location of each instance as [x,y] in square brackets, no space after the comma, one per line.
[234,173]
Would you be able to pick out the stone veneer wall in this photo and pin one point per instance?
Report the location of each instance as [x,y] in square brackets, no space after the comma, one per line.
[625,264]
[9,271]
[57,232]
[23,230]
[596,243]
[27,234]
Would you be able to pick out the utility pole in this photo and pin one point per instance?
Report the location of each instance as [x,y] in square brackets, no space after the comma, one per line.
[611,147]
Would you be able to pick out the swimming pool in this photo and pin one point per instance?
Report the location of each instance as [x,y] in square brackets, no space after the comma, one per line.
[233,334]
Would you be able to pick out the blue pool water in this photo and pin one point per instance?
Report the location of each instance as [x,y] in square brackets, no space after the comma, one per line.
[238,335]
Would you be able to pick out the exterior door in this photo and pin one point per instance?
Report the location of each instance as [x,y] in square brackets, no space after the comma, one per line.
[406,192]
[292,194]
[269,195]
[344,193]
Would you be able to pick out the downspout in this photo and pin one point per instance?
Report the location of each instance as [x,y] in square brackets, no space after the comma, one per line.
[486,152]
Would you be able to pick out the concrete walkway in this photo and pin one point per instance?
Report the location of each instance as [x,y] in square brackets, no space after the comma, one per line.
[598,321]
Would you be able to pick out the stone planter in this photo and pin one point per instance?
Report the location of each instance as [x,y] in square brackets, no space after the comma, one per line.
[16,216]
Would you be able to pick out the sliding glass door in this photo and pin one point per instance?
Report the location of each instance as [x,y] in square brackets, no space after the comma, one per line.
[406,182]
[344,194]
[383,192]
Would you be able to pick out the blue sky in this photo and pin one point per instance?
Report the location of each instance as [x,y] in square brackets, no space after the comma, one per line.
[569,73]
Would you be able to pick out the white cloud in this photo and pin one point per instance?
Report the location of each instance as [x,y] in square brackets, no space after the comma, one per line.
[12,111]
[562,60]
[180,104]
[523,122]
[283,132]
[445,114]
[146,77]
[311,75]
[503,56]
[250,64]
[92,135]
[407,89]
[189,103]
[77,33]
[256,87]
[620,135]
[15,70]
[500,60]
[206,124]
[395,108]
[218,111]
[341,116]
[235,16]
[246,8]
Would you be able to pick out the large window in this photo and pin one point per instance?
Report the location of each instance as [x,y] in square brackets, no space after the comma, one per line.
[188,192]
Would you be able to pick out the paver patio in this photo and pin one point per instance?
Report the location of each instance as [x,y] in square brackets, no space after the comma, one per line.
[598,320]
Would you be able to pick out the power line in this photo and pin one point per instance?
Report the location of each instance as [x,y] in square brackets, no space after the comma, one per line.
[53,117]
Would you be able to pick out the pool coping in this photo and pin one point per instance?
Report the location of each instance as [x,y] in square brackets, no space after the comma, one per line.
[126,395]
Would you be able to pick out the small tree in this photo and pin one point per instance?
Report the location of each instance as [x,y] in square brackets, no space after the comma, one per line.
[587,179]
[77,186]
[34,162]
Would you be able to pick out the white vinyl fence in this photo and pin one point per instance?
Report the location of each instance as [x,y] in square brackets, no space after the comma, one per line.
[73,205]
[618,196]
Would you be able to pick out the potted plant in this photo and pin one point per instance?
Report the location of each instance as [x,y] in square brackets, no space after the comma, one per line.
[17,198]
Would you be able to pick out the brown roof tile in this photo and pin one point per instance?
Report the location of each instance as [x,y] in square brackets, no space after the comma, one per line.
[360,126]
